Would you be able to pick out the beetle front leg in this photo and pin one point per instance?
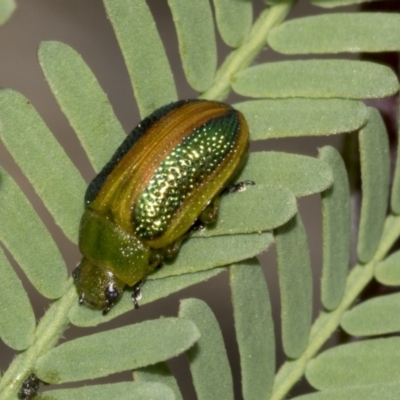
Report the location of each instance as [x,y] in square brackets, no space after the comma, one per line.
[136,294]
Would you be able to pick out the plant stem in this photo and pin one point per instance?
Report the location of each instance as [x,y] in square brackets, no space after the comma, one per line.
[47,334]
[244,55]
[322,329]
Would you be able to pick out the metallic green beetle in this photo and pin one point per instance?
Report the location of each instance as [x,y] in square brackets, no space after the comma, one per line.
[167,174]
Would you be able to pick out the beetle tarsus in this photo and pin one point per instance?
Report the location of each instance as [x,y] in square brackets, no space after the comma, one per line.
[198,226]
[136,294]
[238,187]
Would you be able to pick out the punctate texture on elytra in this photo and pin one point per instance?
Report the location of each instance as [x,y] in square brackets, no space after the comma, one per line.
[166,175]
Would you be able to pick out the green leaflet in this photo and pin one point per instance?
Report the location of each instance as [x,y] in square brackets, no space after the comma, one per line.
[375,176]
[280,118]
[82,100]
[120,391]
[7,7]
[336,229]
[18,320]
[209,364]
[39,256]
[234,19]
[144,54]
[388,391]
[317,78]
[243,56]
[254,329]
[335,33]
[388,271]
[367,362]
[377,316]
[295,283]
[200,254]
[158,373]
[395,195]
[117,350]
[195,29]
[302,175]
[151,290]
[43,161]
[338,3]
[259,208]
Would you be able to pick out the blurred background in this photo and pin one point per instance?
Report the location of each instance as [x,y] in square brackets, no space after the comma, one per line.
[84,26]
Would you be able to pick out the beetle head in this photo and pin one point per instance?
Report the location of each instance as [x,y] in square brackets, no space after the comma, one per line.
[96,286]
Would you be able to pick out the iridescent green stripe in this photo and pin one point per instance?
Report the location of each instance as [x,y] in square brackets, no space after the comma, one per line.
[182,172]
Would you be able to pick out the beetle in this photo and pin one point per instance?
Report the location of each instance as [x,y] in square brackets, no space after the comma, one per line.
[167,175]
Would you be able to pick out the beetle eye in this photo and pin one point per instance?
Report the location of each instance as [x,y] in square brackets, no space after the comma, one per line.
[111,294]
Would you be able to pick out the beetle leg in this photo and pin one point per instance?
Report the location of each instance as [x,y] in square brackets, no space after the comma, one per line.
[210,214]
[171,250]
[136,294]
[156,258]
[237,187]
[81,298]
[198,226]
